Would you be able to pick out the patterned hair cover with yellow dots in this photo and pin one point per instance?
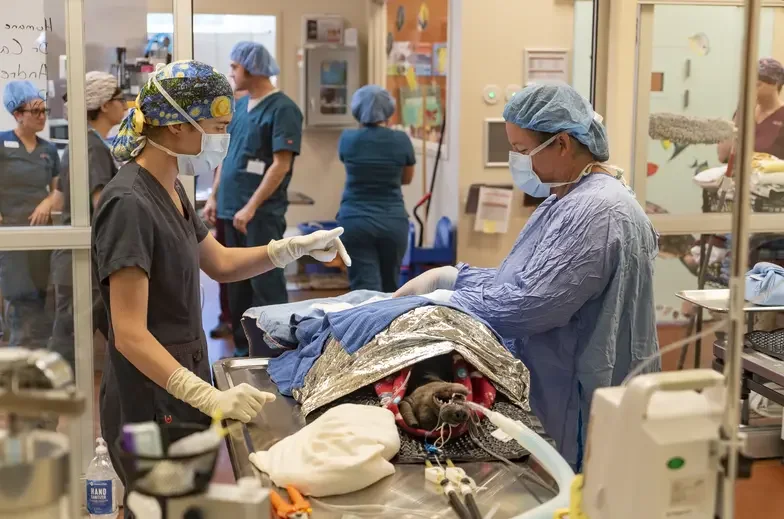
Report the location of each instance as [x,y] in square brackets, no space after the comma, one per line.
[199,89]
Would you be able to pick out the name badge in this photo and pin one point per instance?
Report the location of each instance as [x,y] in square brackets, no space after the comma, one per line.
[10,144]
[256,167]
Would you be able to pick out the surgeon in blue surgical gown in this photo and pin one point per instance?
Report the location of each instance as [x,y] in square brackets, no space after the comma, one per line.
[574,298]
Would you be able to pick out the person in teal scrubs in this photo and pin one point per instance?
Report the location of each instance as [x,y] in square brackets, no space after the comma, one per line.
[378,162]
[249,196]
[29,167]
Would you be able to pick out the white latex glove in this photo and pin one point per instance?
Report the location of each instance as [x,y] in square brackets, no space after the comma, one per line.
[324,246]
[242,402]
[442,278]
[440,296]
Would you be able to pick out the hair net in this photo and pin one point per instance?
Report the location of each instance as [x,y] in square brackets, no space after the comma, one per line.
[254,58]
[556,108]
[99,88]
[18,93]
[372,104]
[771,71]
[199,89]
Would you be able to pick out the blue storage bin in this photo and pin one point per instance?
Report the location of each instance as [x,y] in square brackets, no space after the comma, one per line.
[442,253]
[311,227]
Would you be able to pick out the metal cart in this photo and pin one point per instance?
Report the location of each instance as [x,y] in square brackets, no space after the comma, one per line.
[764,441]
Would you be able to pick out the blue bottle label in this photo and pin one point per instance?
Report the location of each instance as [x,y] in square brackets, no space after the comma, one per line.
[99,496]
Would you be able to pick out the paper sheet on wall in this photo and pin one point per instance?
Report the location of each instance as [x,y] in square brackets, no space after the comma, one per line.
[23,49]
[493,211]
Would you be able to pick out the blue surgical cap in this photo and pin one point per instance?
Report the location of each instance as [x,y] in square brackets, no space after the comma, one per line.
[18,93]
[372,104]
[254,58]
[555,108]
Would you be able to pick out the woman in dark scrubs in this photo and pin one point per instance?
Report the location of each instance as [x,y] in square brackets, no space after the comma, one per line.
[378,160]
[769,134]
[148,248]
[105,109]
[29,167]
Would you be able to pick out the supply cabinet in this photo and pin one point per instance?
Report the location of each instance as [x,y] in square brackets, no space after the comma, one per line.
[330,76]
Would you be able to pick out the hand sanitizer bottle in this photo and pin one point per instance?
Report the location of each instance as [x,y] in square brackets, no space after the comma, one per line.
[102,485]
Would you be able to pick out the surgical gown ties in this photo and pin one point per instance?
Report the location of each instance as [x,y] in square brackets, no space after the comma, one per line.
[574,301]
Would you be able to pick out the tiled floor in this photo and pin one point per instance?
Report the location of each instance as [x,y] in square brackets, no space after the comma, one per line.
[760,497]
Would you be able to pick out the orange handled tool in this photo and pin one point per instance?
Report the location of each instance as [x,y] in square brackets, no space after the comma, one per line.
[299,508]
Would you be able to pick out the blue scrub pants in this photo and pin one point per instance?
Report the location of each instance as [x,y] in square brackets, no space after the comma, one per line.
[24,278]
[266,289]
[376,253]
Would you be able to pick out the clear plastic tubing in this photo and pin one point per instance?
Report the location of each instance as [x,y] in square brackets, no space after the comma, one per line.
[545,454]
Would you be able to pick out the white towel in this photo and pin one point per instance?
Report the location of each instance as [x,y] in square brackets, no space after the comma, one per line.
[710,178]
[346,449]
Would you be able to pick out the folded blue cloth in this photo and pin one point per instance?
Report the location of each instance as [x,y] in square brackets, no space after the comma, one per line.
[765,285]
[279,322]
[352,328]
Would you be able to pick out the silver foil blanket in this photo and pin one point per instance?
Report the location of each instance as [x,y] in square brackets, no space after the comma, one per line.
[415,336]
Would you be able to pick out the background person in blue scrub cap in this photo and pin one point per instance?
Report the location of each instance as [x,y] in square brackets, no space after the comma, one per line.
[29,167]
[574,298]
[250,192]
[378,162]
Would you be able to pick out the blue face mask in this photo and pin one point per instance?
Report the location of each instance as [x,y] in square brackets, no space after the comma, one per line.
[524,177]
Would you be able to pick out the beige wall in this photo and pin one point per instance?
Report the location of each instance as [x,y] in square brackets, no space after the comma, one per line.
[496,57]
[778,35]
[318,173]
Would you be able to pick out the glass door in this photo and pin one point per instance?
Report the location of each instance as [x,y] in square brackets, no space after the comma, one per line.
[688,64]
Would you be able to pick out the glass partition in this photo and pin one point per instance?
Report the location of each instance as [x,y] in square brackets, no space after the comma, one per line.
[29,162]
[695,65]
[214,35]
[689,64]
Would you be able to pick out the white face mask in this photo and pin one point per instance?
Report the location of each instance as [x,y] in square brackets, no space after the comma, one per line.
[214,147]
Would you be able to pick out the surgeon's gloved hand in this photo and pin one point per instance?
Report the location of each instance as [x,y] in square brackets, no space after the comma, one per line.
[442,278]
[324,246]
[242,402]
[440,296]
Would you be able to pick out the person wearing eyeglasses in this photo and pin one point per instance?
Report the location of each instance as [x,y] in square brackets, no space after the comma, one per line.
[105,109]
[29,166]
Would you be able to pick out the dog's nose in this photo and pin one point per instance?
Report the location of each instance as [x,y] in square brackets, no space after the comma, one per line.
[461,415]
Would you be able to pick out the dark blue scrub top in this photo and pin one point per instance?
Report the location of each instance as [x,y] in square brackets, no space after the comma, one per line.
[25,177]
[274,125]
[374,157]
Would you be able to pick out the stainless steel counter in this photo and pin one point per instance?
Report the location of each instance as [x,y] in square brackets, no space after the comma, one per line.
[718,300]
[508,492]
